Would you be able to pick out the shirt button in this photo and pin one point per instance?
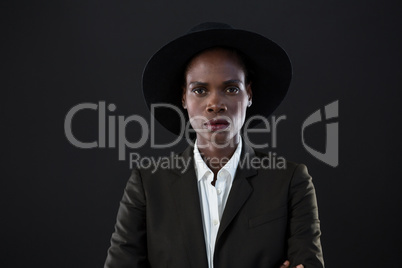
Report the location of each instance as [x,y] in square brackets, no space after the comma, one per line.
[219,191]
[215,222]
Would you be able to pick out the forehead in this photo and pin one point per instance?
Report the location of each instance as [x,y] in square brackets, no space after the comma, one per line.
[218,61]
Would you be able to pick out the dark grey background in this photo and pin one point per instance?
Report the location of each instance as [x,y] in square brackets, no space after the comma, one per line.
[58,202]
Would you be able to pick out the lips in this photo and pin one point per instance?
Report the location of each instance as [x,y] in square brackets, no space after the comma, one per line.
[217,124]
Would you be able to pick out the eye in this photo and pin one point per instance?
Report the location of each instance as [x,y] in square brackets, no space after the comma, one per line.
[232,90]
[199,90]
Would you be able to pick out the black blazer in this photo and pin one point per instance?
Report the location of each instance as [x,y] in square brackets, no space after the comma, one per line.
[271,215]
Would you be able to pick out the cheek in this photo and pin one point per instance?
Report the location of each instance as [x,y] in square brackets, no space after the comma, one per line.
[195,113]
[240,106]
[241,113]
[191,111]
[194,107]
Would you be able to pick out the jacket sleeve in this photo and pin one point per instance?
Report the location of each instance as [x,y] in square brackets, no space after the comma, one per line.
[128,243]
[304,246]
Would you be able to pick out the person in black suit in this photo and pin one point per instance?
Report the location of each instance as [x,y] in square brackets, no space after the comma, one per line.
[226,209]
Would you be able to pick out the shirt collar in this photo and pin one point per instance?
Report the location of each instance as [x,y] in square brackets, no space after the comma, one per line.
[201,168]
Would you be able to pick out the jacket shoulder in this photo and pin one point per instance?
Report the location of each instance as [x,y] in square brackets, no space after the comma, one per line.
[276,162]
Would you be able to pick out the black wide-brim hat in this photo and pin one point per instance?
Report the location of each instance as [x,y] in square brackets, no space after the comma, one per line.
[163,75]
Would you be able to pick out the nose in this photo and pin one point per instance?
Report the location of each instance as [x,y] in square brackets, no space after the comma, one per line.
[216,103]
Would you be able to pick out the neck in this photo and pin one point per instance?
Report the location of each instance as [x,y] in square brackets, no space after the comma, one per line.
[217,156]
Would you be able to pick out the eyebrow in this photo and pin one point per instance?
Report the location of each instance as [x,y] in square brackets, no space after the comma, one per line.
[231,81]
[197,83]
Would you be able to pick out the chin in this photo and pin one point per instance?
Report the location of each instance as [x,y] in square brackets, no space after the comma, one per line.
[221,138]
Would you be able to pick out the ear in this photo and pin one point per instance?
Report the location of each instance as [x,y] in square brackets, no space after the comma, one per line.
[249,93]
[183,98]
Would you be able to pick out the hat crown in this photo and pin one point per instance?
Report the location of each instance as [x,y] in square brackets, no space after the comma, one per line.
[210,26]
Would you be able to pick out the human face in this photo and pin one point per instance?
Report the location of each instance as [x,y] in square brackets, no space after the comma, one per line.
[216,96]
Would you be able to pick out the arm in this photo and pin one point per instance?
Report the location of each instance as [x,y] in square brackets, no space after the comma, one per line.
[304,246]
[129,242]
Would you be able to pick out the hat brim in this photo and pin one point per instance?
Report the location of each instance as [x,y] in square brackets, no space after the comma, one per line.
[163,75]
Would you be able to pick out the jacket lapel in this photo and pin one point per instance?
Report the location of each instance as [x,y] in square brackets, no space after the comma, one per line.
[186,196]
[240,191]
[185,193]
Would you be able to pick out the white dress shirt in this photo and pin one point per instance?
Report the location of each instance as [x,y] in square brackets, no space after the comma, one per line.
[213,199]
